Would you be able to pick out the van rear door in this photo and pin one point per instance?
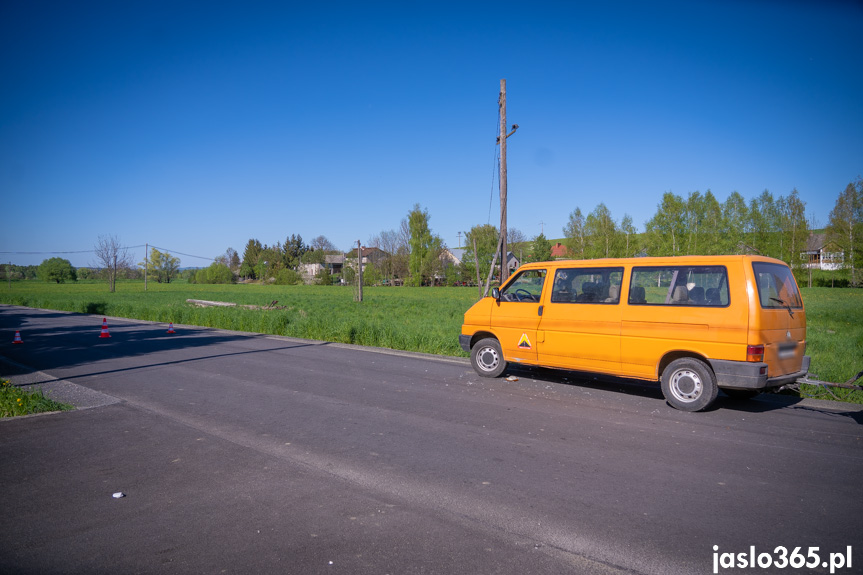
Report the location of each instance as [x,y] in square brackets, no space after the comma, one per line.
[779,320]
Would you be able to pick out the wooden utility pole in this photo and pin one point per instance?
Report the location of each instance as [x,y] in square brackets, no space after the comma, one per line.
[504,268]
[478,277]
[146,263]
[360,271]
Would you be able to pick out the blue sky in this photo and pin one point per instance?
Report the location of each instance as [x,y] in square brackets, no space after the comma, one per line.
[196,126]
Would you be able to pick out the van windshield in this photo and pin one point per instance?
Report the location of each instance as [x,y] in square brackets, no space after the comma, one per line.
[776,286]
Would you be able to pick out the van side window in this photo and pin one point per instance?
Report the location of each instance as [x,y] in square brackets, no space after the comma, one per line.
[527,286]
[679,285]
[587,285]
[776,286]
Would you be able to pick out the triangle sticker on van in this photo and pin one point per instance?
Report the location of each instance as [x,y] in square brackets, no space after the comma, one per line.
[524,342]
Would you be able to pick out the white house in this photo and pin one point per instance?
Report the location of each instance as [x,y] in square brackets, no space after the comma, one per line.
[822,254]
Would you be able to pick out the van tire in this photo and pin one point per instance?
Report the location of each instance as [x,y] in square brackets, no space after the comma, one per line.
[486,358]
[689,384]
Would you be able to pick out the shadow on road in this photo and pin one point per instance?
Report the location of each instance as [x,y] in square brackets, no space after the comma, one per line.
[58,340]
[637,388]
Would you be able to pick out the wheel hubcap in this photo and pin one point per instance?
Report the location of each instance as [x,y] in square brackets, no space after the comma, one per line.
[686,385]
[487,358]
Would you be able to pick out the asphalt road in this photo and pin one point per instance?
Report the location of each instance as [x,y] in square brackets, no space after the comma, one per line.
[242,453]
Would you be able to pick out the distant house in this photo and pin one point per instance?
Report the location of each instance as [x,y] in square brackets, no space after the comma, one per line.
[374,256]
[369,255]
[512,262]
[332,263]
[455,256]
[308,271]
[559,251]
[452,256]
[823,254]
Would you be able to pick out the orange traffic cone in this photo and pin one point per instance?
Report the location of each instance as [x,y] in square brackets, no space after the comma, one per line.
[105,328]
[171,328]
[17,337]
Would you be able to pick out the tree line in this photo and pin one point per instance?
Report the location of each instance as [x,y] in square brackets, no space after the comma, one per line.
[696,224]
[701,225]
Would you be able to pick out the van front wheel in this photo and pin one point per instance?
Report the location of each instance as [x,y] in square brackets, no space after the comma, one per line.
[688,384]
[487,358]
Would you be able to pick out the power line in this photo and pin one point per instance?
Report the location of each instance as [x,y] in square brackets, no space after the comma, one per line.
[94,251]
[64,252]
[182,254]
[46,253]
[494,169]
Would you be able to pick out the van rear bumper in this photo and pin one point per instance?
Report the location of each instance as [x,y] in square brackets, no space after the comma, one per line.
[748,375]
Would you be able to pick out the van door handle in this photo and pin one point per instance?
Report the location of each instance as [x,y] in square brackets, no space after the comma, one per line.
[539,311]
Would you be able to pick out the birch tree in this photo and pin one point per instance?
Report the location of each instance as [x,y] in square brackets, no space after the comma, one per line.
[630,236]
[602,232]
[846,225]
[665,230]
[735,221]
[574,233]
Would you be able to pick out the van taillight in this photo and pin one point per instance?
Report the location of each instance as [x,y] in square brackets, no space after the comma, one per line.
[755,353]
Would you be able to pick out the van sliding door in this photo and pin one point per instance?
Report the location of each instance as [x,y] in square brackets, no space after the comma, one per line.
[580,326]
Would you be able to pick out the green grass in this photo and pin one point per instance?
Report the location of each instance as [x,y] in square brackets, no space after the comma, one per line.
[14,401]
[411,319]
[834,321]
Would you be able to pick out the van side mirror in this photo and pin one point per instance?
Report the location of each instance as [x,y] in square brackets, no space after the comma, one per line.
[495,293]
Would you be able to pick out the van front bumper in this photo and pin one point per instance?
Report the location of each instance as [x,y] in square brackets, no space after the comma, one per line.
[748,375]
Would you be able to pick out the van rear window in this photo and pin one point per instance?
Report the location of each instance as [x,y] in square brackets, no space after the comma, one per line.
[776,286]
[679,285]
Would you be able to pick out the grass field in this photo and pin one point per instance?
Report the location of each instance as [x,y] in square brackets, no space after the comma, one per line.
[834,321]
[412,319]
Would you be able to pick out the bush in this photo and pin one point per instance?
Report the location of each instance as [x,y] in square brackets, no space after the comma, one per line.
[216,273]
[325,277]
[830,282]
[371,275]
[286,277]
[822,278]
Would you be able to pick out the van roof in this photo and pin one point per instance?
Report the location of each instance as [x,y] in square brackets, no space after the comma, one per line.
[666,260]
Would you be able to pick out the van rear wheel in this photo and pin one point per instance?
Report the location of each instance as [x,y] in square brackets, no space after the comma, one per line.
[487,358]
[689,384]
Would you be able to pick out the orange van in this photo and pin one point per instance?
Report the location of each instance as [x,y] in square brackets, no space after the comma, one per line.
[695,323]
